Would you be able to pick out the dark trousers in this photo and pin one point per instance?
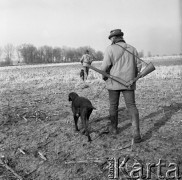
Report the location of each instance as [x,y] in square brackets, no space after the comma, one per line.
[129,97]
[86,70]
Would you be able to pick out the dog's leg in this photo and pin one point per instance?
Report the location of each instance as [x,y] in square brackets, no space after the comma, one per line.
[84,119]
[76,122]
[87,125]
[87,133]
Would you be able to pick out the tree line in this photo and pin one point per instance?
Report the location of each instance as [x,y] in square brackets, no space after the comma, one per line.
[30,54]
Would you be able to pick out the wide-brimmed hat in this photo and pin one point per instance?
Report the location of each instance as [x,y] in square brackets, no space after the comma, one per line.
[115,32]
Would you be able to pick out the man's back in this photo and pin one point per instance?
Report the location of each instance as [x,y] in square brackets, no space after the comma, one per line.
[124,64]
[86,59]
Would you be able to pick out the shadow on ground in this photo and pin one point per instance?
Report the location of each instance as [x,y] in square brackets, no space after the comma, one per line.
[167,111]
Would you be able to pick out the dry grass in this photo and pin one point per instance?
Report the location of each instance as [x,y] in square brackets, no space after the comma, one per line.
[35,117]
[164,72]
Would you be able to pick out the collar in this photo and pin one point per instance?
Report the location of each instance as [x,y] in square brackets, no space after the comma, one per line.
[119,40]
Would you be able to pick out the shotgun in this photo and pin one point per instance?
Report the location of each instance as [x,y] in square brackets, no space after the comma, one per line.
[119,80]
[148,69]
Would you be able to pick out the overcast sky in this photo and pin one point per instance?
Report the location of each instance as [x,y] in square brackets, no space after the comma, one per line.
[149,25]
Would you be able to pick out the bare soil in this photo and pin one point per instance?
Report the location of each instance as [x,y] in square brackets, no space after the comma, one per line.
[37,137]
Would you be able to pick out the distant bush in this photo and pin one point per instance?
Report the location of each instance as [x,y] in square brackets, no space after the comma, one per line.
[7,62]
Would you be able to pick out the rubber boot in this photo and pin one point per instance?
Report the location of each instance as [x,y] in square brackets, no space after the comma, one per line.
[114,124]
[136,128]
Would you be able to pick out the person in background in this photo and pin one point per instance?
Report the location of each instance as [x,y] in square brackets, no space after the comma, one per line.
[126,66]
[86,59]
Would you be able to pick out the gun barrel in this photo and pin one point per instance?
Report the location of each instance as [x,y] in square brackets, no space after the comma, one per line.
[119,80]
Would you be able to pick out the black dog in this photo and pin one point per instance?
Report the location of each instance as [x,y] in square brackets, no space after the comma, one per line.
[83,108]
[82,74]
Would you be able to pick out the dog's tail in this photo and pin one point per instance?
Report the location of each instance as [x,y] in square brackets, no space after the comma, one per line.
[92,107]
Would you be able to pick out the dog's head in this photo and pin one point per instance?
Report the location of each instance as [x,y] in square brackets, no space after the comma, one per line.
[72,96]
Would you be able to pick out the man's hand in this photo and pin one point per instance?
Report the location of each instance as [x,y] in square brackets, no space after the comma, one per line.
[104,78]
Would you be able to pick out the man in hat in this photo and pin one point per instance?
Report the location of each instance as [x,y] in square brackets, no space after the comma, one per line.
[86,59]
[126,66]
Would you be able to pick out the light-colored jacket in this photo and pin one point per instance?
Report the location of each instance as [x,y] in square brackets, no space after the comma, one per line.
[86,59]
[124,65]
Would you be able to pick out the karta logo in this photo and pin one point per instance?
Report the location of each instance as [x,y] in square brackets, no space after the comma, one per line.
[133,168]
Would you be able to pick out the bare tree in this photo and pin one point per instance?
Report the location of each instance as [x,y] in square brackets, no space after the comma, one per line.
[48,54]
[149,54]
[18,48]
[99,55]
[9,51]
[57,54]
[28,52]
[141,54]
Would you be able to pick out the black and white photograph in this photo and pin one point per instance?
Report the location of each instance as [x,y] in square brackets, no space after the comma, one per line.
[90,90]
